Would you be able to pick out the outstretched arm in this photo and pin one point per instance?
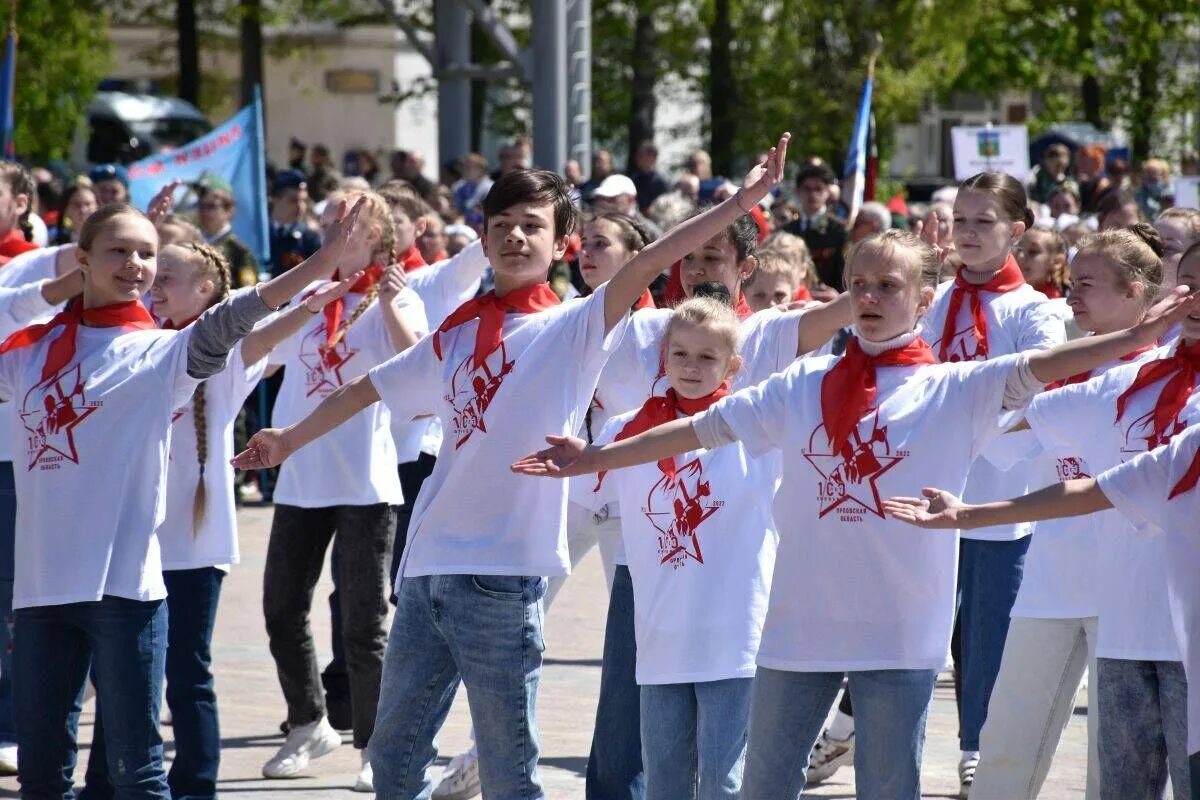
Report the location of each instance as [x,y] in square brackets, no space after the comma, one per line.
[940,509]
[282,288]
[568,456]
[270,446]
[635,277]
[259,343]
[820,323]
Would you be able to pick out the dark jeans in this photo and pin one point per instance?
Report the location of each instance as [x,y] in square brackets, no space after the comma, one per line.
[295,555]
[8,532]
[1194,769]
[191,617]
[125,644]
[614,768]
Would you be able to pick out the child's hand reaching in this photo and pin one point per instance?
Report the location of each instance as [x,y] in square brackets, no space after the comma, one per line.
[346,228]
[162,203]
[937,509]
[267,448]
[566,457]
[929,232]
[392,283]
[330,292]
[764,177]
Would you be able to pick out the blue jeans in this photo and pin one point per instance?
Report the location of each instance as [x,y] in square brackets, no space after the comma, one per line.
[8,532]
[614,768]
[482,630]
[1143,729]
[788,710]
[695,733]
[191,617]
[125,644]
[989,575]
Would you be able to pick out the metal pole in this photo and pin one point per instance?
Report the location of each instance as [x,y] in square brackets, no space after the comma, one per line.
[549,69]
[579,98]
[453,46]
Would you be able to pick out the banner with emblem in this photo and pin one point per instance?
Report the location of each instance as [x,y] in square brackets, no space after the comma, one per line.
[993,148]
[232,152]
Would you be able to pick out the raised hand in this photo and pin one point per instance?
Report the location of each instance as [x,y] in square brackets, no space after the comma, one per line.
[566,456]
[346,228]
[162,203]
[762,178]
[929,232]
[392,283]
[936,508]
[267,448]
[330,292]
[1177,304]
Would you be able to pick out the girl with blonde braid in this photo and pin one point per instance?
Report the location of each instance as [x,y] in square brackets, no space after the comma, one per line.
[346,483]
[198,538]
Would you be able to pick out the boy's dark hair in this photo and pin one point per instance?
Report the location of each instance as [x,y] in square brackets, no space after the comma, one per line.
[535,186]
[742,234]
[821,171]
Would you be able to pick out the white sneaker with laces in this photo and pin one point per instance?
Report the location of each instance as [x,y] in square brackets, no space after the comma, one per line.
[461,779]
[303,743]
[828,756]
[366,776]
[966,775]
[8,758]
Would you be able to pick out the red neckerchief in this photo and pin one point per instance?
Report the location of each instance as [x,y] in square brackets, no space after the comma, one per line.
[490,310]
[1050,289]
[1084,377]
[333,311]
[802,294]
[1189,479]
[661,410]
[645,301]
[743,309]
[169,325]
[848,389]
[1006,279]
[130,314]
[1180,369]
[13,243]
[411,258]
[440,255]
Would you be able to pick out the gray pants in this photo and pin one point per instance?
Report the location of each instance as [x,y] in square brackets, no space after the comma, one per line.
[295,556]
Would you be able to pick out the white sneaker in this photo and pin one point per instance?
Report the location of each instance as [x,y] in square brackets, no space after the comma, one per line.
[8,758]
[461,779]
[366,776]
[966,776]
[828,756]
[304,743]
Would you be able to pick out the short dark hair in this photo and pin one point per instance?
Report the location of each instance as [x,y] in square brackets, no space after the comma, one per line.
[821,171]
[536,186]
[742,233]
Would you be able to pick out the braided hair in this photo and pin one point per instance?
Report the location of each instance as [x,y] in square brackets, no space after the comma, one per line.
[212,265]
[376,210]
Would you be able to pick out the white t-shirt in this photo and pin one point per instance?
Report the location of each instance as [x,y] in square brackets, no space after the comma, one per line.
[442,287]
[854,590]
[474,516]
[355,463]
[1061,579]
[92,471]
[701,553]
[1020,320]
[215,542]
[1140,489]
[1135,619]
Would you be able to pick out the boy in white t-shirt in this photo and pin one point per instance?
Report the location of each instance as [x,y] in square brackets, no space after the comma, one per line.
[471,579]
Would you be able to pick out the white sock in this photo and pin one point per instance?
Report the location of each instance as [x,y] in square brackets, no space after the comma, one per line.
[968,755]
[842,727]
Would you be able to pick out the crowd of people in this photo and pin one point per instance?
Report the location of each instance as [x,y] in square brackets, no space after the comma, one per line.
[748,400]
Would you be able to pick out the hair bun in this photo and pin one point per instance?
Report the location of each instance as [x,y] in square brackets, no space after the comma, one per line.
[1029,218]
[1150,235]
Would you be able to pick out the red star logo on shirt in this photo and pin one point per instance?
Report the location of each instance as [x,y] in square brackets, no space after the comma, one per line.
[676,509]
[472,391]
[50,413]
[964,346]
[323,365]
[848,478]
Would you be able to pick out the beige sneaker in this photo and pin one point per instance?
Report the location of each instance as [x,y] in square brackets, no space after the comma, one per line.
[461,778]
[828,756]
[304,743]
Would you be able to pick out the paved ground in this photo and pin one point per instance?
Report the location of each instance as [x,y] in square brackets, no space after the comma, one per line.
[252,707]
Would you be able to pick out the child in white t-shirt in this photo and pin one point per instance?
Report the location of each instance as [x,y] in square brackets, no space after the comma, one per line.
[859,596]
[89,587]
[473,572]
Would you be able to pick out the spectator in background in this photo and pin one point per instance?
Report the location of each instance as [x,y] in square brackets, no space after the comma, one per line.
[412,165]
[78,203]
[1051,174]
[783,213]
[1064,200]
[1089,174]
[513,156]
[457,238]
[49,195]
[323,178]
[432,241]
[175,229]
[573,173]
[217,207]
[368,166]
[699,163]
[601,170]
[670,209]
[469,192]
[1152,194]
[617,194]
[111,182]
[824,234]
[297,150]
[1118,210]
[872,218]
[292,240]
[688,185]
[650,183]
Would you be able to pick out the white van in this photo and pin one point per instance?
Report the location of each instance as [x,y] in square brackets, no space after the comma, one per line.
[121,128]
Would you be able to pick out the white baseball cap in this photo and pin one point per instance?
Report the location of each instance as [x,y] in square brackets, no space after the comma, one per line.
[615,186]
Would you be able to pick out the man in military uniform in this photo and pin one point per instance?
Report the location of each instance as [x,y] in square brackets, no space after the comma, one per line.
[217,207]
[824,234]
[292,240]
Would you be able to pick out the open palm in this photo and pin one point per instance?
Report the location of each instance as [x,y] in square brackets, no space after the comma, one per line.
[566,457]
[936,508]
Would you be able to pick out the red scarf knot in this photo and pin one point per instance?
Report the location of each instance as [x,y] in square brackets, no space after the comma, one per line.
[1006,279]
[1180,369]
[490,309]
[411,258]
[848,389]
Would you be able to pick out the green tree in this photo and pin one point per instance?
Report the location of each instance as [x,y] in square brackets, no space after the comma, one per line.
[62,54]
